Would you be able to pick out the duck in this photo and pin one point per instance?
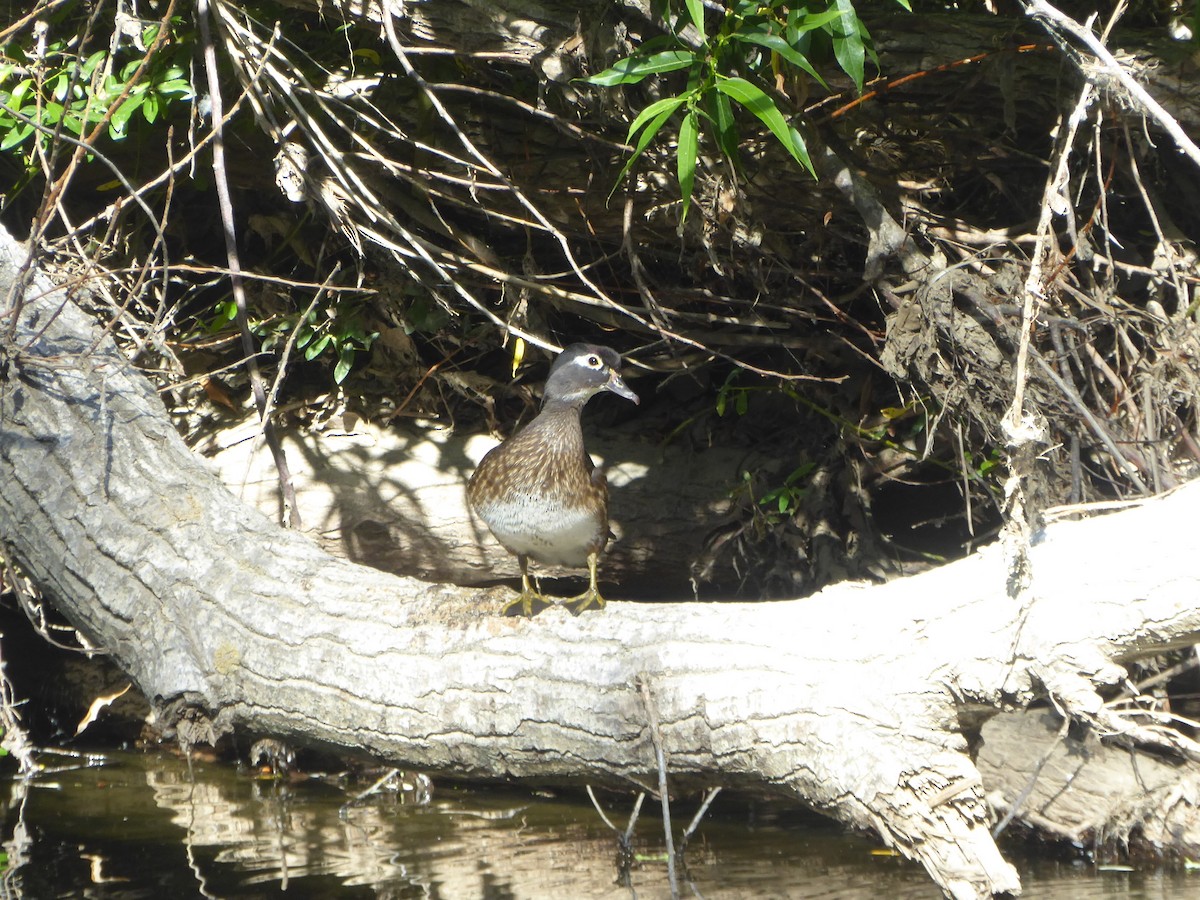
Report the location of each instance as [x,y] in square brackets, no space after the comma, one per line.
[539,492]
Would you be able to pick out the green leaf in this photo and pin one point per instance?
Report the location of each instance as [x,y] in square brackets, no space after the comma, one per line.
[776,44]
[58,84]
[695,10]
[345,361]
[800,21]
[689,142]
[92,63]
[23,90]
[119,122]
[51,113]
[654,112]
[16,136]
[633,69]
[848,46]
[753,98]
[314,349]
[176,87]
[799,151]
[649,121]
[799,472]
[150,108]
[727,137]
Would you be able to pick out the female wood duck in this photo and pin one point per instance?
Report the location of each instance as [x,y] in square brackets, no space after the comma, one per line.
[539,492]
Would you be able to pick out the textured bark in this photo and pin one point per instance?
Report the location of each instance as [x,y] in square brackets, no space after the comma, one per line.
[1082,790]
[851,700]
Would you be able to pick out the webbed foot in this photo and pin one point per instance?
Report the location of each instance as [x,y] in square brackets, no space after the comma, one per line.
[590,597]
[524,604]
[529,596]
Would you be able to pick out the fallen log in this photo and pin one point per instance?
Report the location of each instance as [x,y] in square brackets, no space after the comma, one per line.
[856,701]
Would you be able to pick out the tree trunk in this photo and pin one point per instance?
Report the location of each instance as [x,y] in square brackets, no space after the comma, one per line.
[1084,790]
[854,701]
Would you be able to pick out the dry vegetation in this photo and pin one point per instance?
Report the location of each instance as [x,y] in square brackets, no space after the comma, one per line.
[981,304]
[990,272]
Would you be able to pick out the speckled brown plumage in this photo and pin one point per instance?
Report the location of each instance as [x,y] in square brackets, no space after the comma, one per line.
[539,492]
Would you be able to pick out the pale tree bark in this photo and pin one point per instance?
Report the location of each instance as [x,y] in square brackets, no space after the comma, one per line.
[853,701]
[1086,790]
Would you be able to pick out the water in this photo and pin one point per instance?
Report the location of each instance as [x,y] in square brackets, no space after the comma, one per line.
[129,825]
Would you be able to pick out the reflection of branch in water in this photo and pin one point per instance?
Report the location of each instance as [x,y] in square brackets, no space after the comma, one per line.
[415,788]
[190,826]
[624,839]
[311,831]
[18,848]
[695,823]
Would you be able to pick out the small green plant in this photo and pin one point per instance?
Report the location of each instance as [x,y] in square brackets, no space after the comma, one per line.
[329,331]
[729,391]
[986,465]
[786,497]
[53,87]
[336,331]
[753,39]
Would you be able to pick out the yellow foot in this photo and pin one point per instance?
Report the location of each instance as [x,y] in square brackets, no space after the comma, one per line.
[583,601]
[526,600]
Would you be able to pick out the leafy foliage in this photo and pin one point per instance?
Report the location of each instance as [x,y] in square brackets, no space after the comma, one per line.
[54,87]
[752,40]
[337,331]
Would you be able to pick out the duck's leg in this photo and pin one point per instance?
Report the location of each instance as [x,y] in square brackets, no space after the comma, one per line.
[592,594]
[529,594]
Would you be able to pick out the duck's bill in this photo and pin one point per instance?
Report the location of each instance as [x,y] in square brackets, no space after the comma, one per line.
[617,385]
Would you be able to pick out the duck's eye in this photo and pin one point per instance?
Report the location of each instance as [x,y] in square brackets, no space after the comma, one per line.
[593,362]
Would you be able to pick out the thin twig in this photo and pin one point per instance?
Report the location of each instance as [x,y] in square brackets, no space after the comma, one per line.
[627,837]
[596,803]
[55,186]
[374,788]
[205,15]
[1166,247]
[1097,429]
[1019,801]
[624,838]
[281,367]
[1055,19]
[1055,195]
[695,823]
[663,789]
[564,244]
[16,295]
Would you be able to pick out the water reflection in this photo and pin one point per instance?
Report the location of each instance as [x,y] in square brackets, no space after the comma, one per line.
[150,826]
